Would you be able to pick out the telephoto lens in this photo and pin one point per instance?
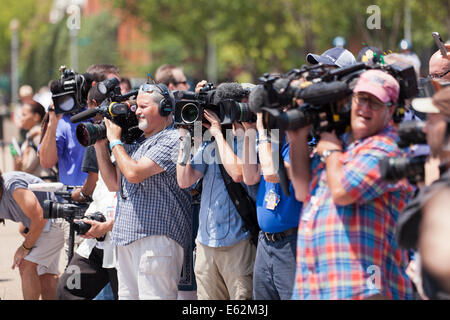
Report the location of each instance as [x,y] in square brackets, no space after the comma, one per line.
[395,169]
[190,113]
[89,133]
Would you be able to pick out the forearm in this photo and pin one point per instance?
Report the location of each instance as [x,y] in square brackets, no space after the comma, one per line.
[299,168]
[251,169]
[334,169]
[106,167]
[231,162]
[127,165]
[34,231]
[90,184]
[48,153]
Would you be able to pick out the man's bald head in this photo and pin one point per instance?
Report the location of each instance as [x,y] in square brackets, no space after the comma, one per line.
[439,65]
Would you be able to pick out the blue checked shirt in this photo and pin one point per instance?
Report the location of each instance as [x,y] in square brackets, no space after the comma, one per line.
[156,206]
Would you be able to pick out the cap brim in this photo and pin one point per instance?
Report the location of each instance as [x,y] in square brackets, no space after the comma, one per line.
[315,59]
[378,92]
[424,105]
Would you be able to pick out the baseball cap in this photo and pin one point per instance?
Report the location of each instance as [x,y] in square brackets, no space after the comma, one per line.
[439,103]
[334,57]
[369,55]
[380,84]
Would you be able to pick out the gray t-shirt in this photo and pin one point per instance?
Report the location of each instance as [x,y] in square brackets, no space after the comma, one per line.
[9,209]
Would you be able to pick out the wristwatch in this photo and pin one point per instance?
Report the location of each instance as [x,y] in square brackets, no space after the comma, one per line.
[327,153]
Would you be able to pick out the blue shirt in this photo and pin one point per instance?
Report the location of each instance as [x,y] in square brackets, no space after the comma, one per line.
[157,205]
[285,214]
[70,153]
[220,224]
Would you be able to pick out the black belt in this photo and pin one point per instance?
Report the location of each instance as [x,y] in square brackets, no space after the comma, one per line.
[273,237]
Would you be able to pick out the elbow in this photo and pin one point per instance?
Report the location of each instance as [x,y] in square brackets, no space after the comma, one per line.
[183,183]
[133,178]
[271,178]
[45,163]
[342,198]
[252,180]
[113,188]
[300,195]
[238,178]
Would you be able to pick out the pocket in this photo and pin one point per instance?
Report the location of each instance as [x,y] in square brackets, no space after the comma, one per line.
[156,261]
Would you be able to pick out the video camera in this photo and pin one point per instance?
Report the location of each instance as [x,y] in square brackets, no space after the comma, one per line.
[225,101]
[116,107]
[326,99]
[68,209]
[69,93]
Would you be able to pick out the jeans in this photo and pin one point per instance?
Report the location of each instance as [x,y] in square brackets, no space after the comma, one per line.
[274,270]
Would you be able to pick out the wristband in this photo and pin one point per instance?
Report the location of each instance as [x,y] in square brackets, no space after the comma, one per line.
[114,143]
[84,197]
[28,249]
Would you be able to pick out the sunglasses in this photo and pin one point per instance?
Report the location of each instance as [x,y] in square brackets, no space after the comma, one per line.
[149,87]
[180,82]
[374,104]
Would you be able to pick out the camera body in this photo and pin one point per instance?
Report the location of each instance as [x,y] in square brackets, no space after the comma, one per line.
[116,107]
[326,99]
[69,93]
[225,102]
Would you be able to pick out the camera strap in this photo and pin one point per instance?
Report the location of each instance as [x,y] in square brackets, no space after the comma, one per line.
[244,205]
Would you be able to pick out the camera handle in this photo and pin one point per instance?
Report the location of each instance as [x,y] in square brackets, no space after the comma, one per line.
[71,241]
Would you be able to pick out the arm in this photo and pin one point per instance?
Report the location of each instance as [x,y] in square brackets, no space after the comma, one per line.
[334,167]
[134,171]
[48,153]
[87,189]
[231,162]
[29,204]
[110,173]
[186,174]
[300,167]
[251,169]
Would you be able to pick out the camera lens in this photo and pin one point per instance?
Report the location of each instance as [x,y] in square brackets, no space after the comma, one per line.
[81,227]
[65,103]
[89,133]
[190,113]
[395,169]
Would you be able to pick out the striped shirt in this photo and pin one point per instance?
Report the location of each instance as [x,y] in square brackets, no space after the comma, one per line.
[350,252]
[157,205]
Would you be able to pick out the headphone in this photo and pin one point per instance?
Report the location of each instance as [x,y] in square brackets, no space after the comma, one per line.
[167,104]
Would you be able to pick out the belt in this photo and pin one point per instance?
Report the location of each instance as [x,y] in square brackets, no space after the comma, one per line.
[273,237]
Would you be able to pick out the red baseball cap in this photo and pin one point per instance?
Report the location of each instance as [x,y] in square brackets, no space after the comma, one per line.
[380,84]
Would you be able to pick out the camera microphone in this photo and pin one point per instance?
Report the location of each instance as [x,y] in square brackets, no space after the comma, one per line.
[258,99]
[229,91]
[85,115]
[46,187]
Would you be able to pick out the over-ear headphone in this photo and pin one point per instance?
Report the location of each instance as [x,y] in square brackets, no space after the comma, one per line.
[167,104]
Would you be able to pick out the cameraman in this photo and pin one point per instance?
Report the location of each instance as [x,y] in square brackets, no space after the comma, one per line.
[94,258]
[59,145]
[225,255]
[278,216]
[38,256]
[346,247]
[153,215]
[411,228]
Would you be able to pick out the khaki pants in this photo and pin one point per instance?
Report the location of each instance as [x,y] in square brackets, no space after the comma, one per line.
[225,273]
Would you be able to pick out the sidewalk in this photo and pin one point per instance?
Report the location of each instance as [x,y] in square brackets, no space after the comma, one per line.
[10,283]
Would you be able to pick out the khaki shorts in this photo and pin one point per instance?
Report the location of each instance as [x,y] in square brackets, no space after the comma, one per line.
[47,249]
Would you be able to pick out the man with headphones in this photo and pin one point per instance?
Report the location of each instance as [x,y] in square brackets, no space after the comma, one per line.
[153,215]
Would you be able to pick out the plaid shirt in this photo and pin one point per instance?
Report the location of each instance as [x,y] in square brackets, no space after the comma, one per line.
[157,205]
[350,252]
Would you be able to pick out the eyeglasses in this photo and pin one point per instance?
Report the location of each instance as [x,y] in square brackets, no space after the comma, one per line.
[374,104]
[438,76]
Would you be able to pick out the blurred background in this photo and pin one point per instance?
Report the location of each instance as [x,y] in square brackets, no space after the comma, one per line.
[217,40]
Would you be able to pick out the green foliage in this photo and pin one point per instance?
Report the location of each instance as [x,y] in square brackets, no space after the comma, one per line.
[257,36]
[97,43]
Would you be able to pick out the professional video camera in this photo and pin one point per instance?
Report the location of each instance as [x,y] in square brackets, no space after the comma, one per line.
[326,99]
[68,209]
[225,101]
[115,107]
[69,93]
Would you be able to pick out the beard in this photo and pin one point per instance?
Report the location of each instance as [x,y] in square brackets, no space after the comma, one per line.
[143,124]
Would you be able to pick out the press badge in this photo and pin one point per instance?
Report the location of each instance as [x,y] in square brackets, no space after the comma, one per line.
[272,199]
